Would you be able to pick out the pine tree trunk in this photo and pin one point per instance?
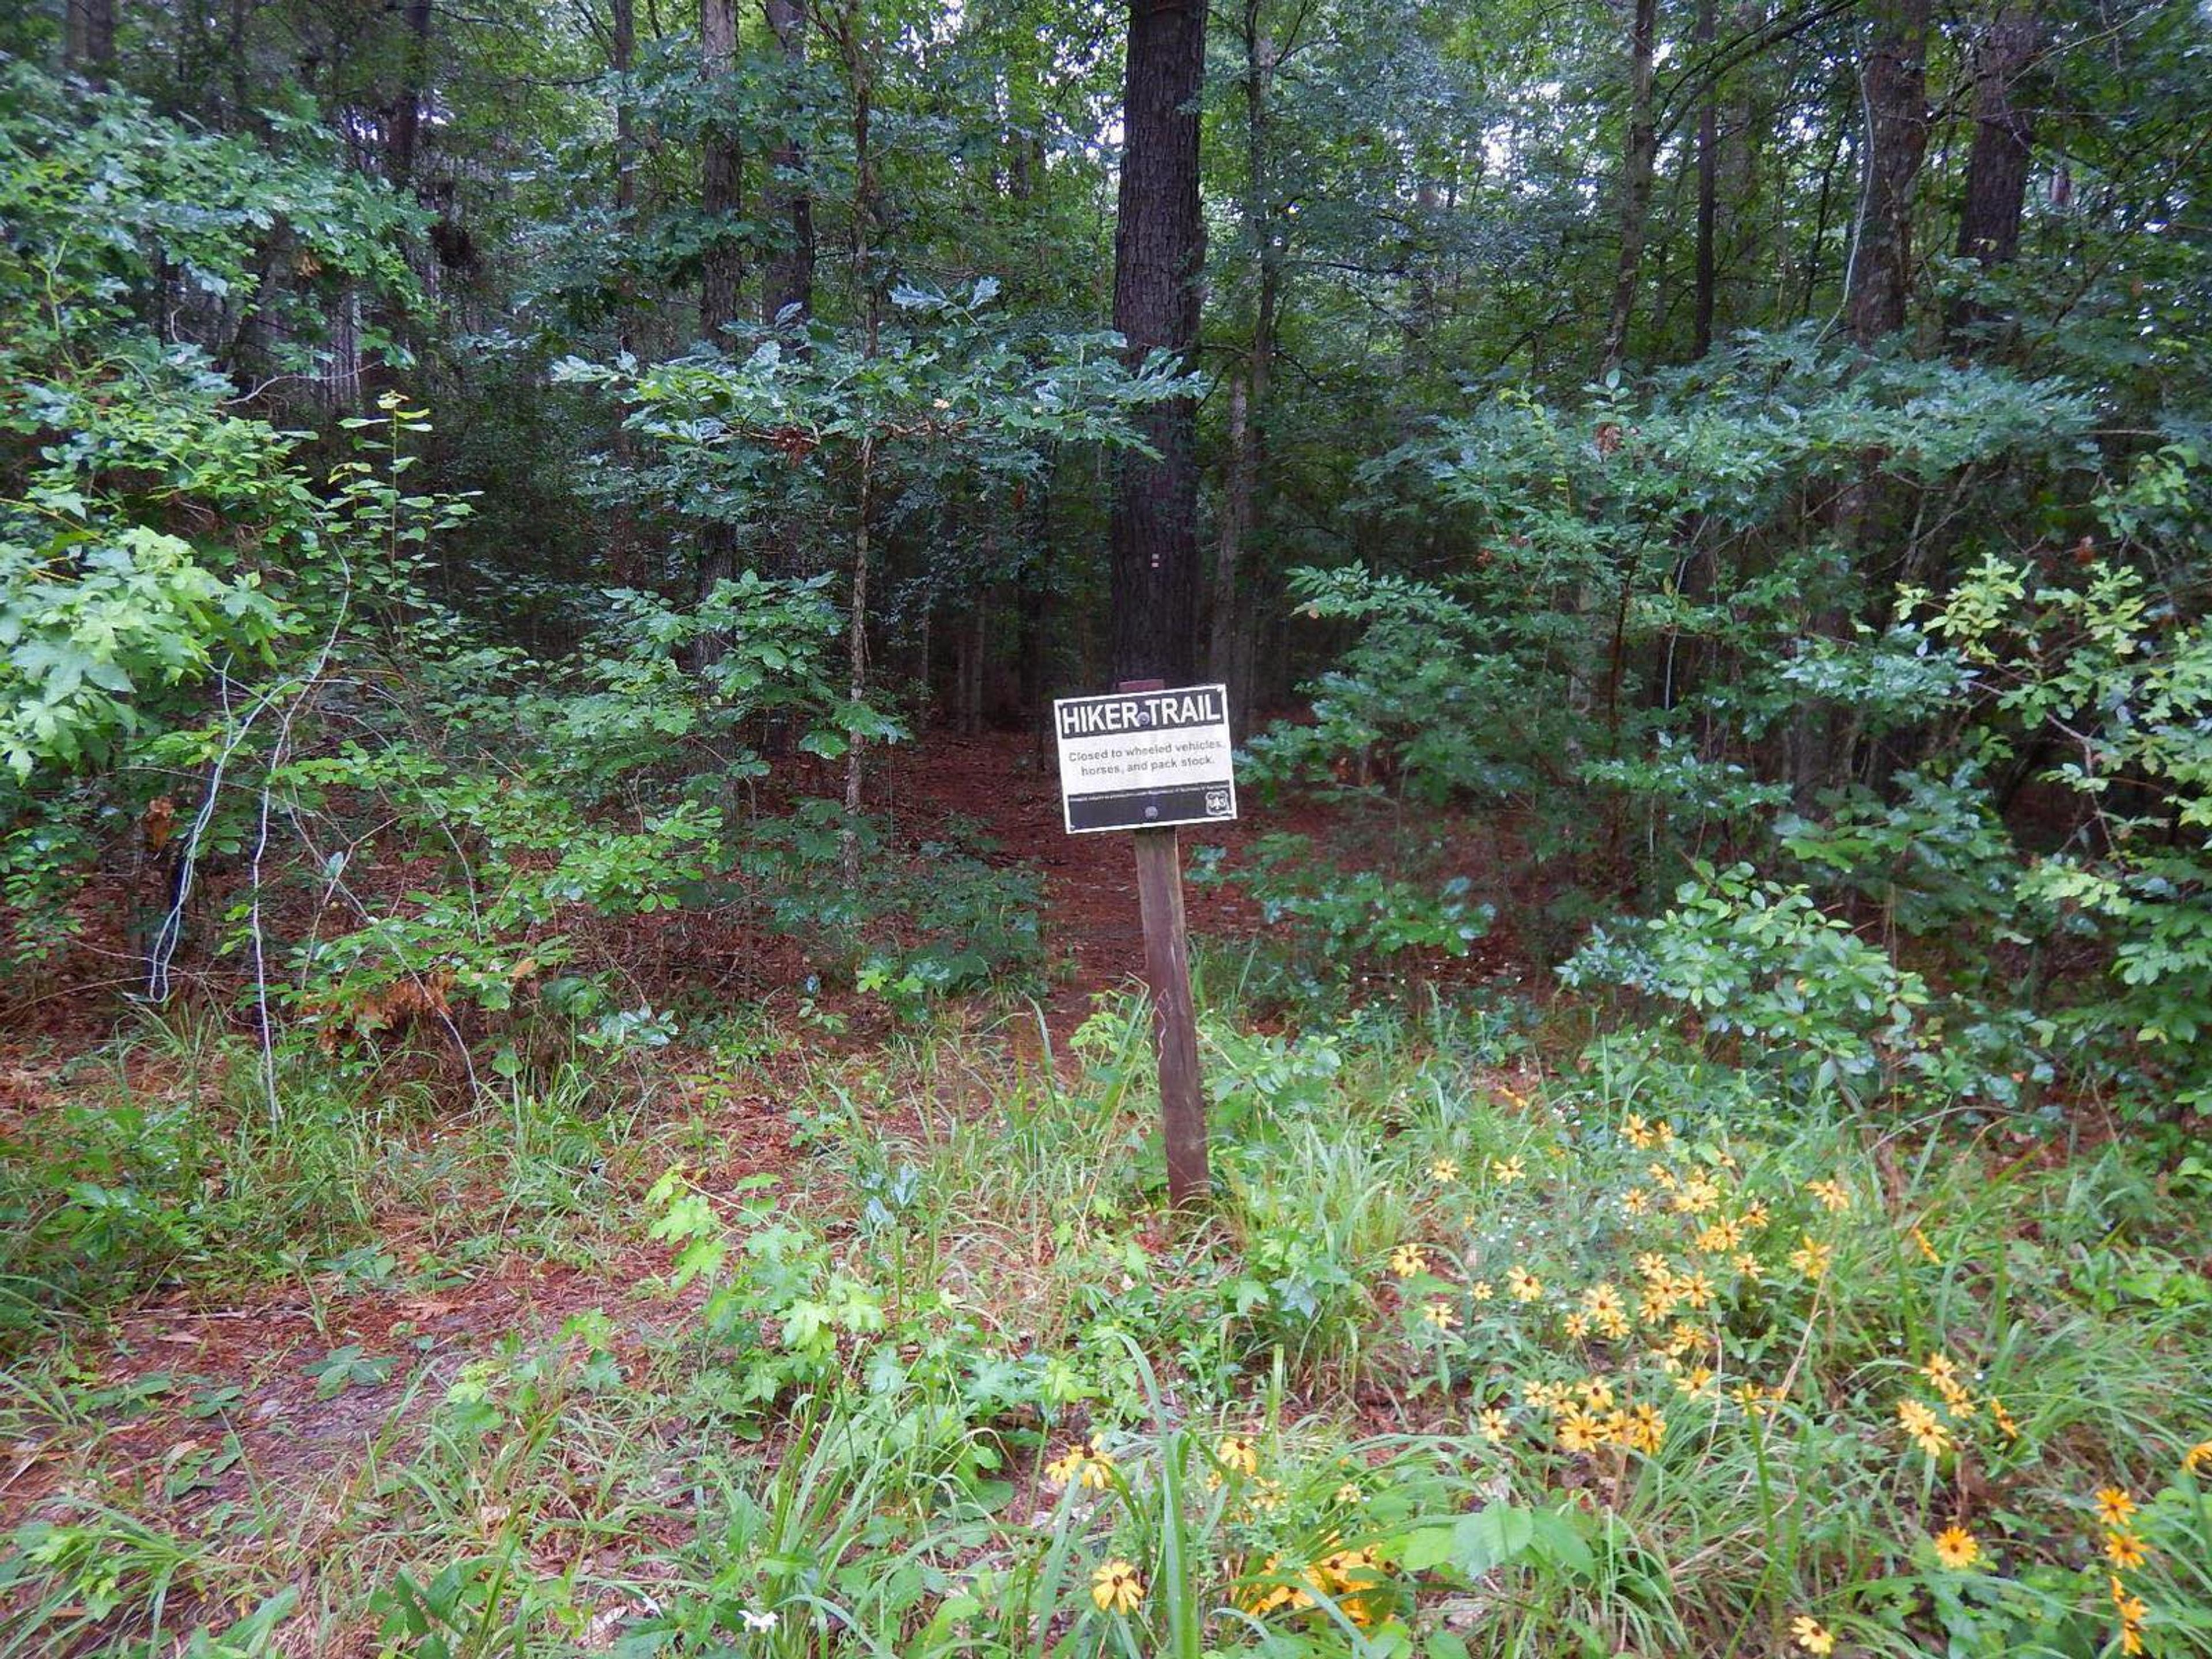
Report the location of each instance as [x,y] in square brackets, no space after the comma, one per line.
[2004,136]
[1895,79]
[622,56]
[788,283]
[89,39]
[1159,249]
[1637,167]
[407,134]
[1248,390]
[1709,198]
[721,163]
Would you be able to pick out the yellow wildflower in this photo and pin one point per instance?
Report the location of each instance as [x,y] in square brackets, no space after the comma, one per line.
[1926,1248]
[1682,1337]
[1923,1425]
[1597,1392]
[1440,1315]
[1812,1257]
[1695,1289]
[1647,1429]
[1444,1170]
[1664,1132]
[1507,1170]
[2003,1419]
[2197,1460]
[1575,1327]
[1811,1635]
[1696,1381]
[1656,1305]
[1939,1369]
[1696,1196]
[2124,1550]
[1482,1290]
[1085,1463]
[1349,1492]
[1545,1397]
[1579,1431]
[1655,1268]
[1957,1548]
[1753,1218]
[1493,1424]
[1748,1264]
[1719,1237]
[2114,1505]
[1831,1194]
[1236,1454]
[1636,1201]
[1524,1285]
[1661,1175]
[1117,1587]
[1408,1259]
[1635,1131]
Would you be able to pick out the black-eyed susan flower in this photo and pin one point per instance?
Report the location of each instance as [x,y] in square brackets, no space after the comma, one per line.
[1086,1463]
[2125,1550]
[1635,1201]
[1811,1635]
[1117,1587]
[1507,1170]
[1812,1258]
[1957,1548]
[1523,1285]
[1237,1455]
[1408,1260]
[1444,1170]
[1925,1428]
[1832,1194]
[1440,1315]
[2114,1506]
[2197,1460]
[1580,1431]
[1493,1424]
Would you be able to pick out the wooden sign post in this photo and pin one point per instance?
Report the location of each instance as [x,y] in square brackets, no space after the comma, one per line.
[1148,758]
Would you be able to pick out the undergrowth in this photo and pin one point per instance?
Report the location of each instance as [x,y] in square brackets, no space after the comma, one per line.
[1616,1355]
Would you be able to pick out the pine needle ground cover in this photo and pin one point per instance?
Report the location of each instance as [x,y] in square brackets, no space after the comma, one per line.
[1490,1346]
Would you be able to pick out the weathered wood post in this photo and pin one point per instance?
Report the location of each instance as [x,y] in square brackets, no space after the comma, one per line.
[1174,1016]
[1147,758]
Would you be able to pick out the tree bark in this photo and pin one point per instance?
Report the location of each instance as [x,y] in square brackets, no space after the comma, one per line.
[2004,137]
[1248,390]
[788,283]
[89,39]
[406,135]
[1894,82]
[1159,249]
[1636,167]
[1708,206]
[721,164]
[622,56]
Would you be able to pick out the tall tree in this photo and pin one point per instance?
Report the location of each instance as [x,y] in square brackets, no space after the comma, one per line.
[721,170]
[1637,164]
[1893,87]
[1708,192]
[2004,134]
[1227,645]
[1159,246]
[787,204]
[88,38]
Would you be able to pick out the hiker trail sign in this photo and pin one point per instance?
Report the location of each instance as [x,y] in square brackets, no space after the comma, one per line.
[1145,760]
